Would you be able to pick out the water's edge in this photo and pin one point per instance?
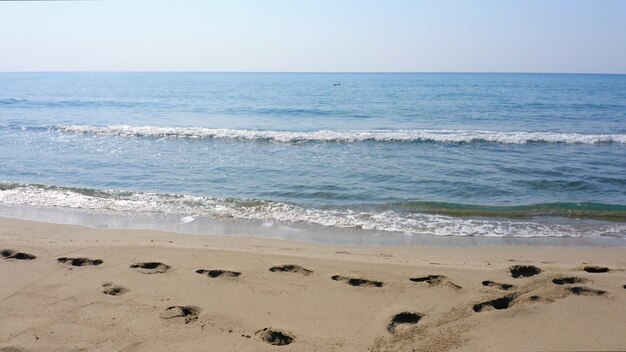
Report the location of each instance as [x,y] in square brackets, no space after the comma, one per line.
[422,218]
[311,234]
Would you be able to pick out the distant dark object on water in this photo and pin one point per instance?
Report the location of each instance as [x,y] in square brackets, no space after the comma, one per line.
[337,84]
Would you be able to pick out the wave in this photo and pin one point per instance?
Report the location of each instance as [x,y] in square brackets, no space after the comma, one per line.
[376,219]
[73,103]
[9,101]
[433,136]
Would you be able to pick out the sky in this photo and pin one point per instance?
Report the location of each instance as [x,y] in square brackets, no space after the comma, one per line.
[570,36]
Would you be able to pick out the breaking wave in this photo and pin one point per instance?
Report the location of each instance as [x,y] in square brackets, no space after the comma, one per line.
[432,136]
[377,219]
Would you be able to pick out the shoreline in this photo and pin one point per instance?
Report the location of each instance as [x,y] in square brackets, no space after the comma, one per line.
[314,234]
[48,305]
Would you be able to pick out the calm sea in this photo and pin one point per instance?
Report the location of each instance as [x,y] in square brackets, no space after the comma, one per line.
[409,155]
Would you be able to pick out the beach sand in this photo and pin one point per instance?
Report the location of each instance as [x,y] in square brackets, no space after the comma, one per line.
[51,305]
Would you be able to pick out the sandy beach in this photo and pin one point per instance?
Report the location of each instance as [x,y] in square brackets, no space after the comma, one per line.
[209,293]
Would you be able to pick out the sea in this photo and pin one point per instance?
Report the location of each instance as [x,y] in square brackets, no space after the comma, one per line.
[380,159]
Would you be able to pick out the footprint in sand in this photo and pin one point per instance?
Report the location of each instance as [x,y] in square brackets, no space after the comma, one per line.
[568,280]
[275,337]
[501,286]
[524,271]
[528,295]
[11,254]
[186,313]
[585,291]
[436,280]
[498,303]
[403,319]
[291,268]
[113,290]
[596,269]
[151,267]
[358,281]
[218,273]
[79,261]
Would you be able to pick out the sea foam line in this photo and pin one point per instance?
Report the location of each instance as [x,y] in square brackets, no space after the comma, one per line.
[436,136]
[187,206]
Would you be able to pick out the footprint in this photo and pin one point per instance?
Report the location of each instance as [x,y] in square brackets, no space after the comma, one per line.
[524,270]
[403,319]
[275,337]
[504,287]
[218,273]
[151,267]
[189,313]
[291,268]
[596,269]
[431,279]
[11,254]
[435,280]
[358,281]
[568,280]
[498,303]
[80,261]
[585,291]
[113,290]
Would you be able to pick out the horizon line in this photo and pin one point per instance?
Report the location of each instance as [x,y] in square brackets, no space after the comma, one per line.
[319,72]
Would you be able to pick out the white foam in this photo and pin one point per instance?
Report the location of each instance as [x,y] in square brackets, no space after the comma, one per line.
[186,220]
[438,136]
[191,207]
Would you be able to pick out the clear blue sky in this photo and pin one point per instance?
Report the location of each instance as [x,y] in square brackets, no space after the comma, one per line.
[322,35]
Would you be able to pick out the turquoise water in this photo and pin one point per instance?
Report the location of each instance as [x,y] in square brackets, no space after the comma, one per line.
[495,155]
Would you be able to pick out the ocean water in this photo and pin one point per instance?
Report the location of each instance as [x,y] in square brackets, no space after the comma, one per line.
[319,156]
